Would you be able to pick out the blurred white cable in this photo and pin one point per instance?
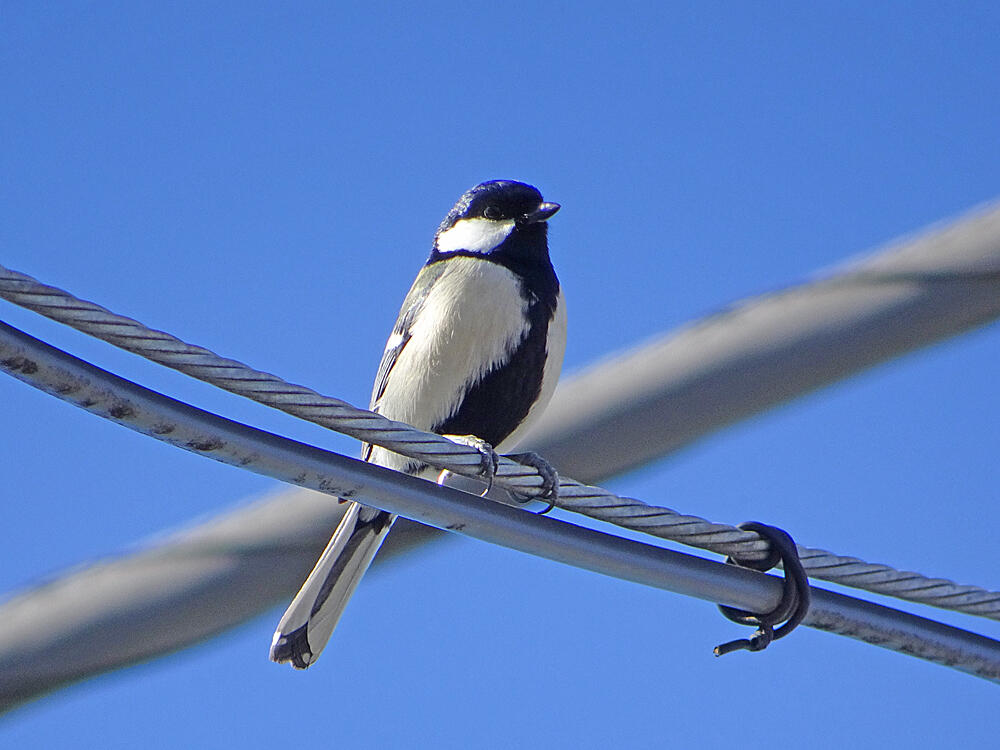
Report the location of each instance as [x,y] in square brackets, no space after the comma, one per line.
[664,395]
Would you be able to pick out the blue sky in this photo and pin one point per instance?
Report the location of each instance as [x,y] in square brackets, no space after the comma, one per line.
[265,180]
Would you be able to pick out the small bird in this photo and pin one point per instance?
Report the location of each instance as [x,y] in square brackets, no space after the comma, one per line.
[475,355]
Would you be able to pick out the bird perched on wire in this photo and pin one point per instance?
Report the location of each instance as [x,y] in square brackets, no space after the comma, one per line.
[475,355]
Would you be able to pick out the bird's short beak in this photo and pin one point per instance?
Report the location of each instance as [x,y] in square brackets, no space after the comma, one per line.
[542,213]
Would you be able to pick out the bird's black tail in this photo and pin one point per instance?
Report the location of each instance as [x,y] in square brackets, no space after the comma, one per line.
[310,619]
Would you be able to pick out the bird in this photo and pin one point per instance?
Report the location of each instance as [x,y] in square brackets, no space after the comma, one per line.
[474,354]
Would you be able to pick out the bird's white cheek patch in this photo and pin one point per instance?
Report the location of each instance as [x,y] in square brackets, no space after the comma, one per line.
[474,235]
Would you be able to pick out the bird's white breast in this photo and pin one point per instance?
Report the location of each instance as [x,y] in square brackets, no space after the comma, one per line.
[471,320]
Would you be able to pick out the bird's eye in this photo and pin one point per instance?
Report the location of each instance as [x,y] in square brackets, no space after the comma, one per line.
[492,212]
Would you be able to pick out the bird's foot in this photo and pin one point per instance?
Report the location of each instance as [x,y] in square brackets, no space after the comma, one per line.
[550,477]
[489,461]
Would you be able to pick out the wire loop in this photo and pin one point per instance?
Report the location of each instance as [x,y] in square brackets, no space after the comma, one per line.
[795,595]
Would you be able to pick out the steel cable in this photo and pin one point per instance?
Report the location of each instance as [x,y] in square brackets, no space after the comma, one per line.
[594,502]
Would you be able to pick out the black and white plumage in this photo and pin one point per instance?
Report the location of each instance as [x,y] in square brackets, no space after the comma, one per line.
[476,351]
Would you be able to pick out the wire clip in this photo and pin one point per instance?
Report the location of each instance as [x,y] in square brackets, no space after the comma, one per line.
[794,598]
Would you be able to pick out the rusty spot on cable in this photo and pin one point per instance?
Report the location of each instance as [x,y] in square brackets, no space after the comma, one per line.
[331,486]
[205,446]
[121,411]
[163,428]
[20,364]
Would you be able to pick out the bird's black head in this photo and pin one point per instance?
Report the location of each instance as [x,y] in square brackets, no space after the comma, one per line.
[499,219]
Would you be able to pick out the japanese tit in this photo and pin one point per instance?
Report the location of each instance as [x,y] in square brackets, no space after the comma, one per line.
[476,351]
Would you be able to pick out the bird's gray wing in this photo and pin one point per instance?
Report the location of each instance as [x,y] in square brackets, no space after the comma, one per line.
[310,619]
[401,333]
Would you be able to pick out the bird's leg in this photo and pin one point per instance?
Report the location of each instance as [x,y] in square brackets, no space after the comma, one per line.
[550,477]
[489,463]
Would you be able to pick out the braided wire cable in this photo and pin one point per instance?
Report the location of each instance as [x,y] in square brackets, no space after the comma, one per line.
[593,502]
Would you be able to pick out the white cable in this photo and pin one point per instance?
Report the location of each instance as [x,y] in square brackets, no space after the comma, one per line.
[153,414]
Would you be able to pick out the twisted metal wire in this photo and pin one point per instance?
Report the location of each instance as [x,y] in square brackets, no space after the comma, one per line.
[593,502]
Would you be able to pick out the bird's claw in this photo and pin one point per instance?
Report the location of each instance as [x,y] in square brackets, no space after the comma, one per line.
[549,490]
[489,462]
